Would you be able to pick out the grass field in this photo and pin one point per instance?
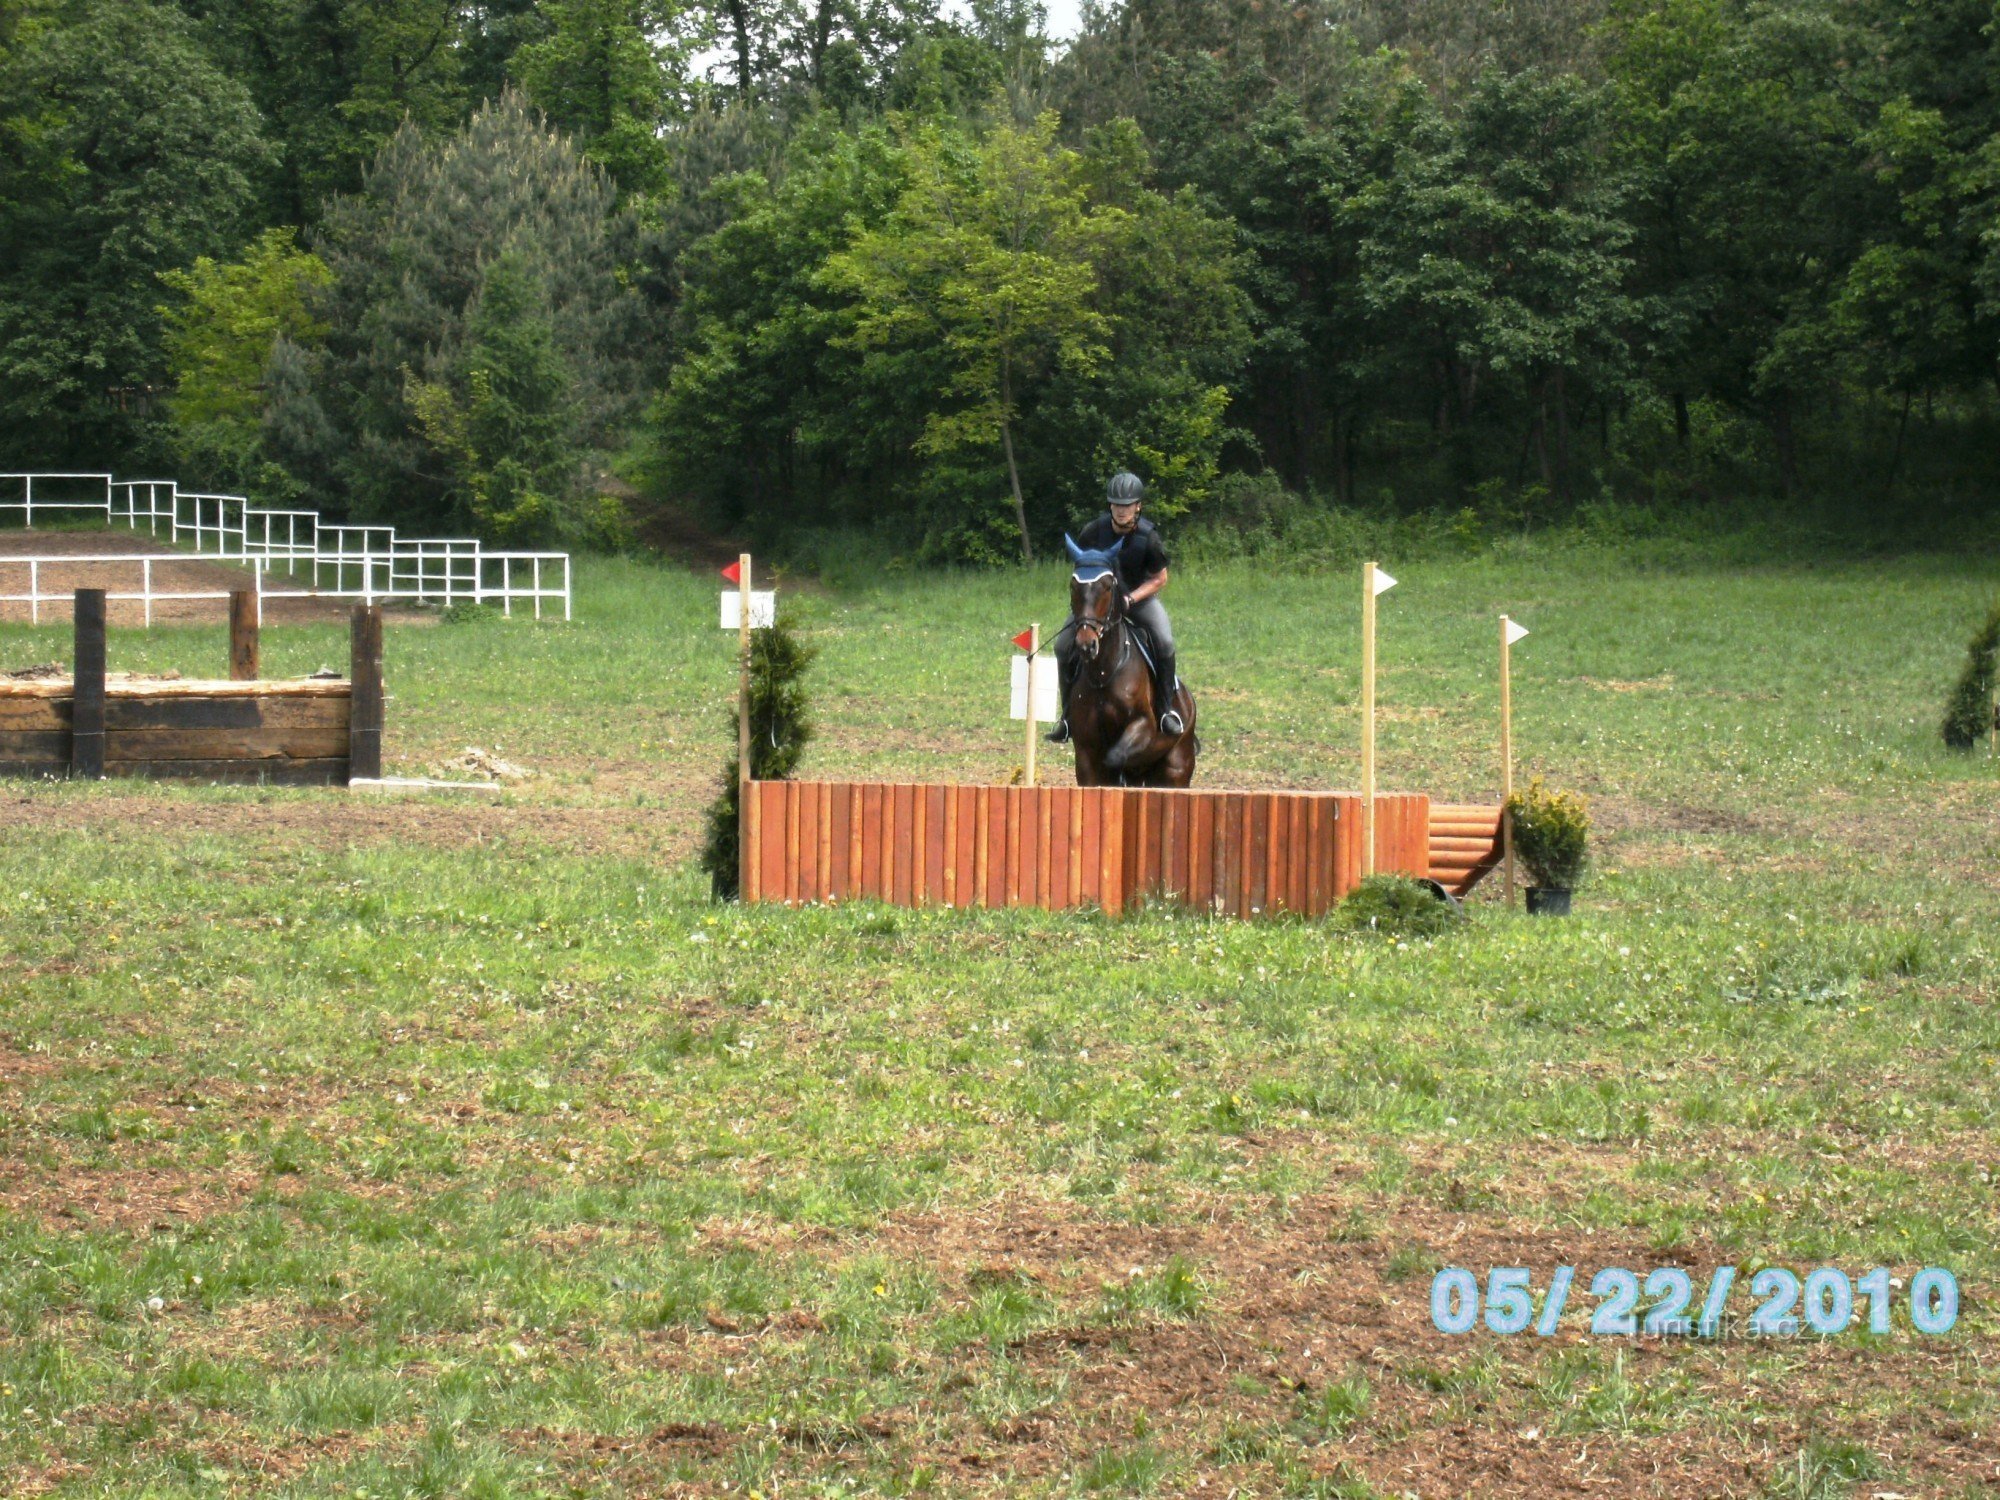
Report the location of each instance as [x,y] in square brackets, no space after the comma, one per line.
[354,1149]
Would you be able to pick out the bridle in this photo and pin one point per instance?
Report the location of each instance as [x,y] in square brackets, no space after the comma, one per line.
[1091,632]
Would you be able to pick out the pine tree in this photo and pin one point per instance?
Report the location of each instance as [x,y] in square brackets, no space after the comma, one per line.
[439,367]
[780,729]
[1970,711]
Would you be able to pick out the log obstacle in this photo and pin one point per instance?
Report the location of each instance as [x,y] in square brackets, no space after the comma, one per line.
[293,732]
[1239,853]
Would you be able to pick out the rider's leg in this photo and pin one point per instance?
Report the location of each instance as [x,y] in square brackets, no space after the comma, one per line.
[1153,616]
[1064,647]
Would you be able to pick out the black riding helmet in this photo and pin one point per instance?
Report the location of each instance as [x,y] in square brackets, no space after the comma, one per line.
[1126,488]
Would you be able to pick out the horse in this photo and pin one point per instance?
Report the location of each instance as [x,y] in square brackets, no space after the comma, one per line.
[1114,718]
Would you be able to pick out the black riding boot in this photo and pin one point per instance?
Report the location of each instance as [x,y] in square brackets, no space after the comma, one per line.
[1065,676]
[1164,682]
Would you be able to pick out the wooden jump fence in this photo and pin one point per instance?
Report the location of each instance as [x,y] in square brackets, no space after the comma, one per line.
[1241,853]
[296,732]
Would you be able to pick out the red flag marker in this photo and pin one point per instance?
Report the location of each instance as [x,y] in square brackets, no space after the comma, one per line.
[734,572]
[1025,640]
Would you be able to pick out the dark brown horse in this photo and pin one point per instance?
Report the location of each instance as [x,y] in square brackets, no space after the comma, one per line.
[1113,717]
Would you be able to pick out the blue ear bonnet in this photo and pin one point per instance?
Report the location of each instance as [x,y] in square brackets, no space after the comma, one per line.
[1091,562]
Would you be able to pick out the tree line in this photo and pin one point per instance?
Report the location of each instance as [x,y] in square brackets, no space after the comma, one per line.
[824,264]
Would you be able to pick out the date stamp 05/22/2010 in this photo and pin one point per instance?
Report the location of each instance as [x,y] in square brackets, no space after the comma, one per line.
[1783,1305]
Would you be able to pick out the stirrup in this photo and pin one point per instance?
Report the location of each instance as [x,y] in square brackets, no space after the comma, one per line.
[1172,723]
[1060,734]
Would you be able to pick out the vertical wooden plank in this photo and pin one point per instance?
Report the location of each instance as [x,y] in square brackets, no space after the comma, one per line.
[773,820]
[995,855]
[1347,873]
[749,851]
[873,839]
[856,832]
[1316,867]
[1146,845]
[920,841]
[949,841]
[1173,847]
[1201,852]
[791,873]
[904,844]
[1031,847]
[965,853]
[1051,855]
[937,836]
[364,727]
[86,753]
[1228,851]
[1090,844]
[839,839]
[823,840]
[1258,862]
[1072,802]
[1113,879]
[244,654]
[1011,797]
[1298,852]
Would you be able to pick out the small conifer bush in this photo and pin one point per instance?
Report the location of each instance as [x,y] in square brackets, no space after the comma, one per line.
[780,729]
[1969,714]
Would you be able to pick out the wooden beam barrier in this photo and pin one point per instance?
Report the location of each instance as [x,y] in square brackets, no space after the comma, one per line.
[86,755]
[366,711]
[245,654]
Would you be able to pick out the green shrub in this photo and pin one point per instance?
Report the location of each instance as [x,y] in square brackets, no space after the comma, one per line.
[1551,834]
[1397,906]
[780,729]
[1969,714]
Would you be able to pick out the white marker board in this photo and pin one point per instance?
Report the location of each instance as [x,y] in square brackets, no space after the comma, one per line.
[763,609]
[1047,707]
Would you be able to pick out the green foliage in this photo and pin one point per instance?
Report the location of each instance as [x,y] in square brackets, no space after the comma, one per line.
[959,318]
[612,74]
[218,343]
[479,335]
[1970,714]
[124,153]
[1396,906]
[781,727]
[1551,833]
[510,434]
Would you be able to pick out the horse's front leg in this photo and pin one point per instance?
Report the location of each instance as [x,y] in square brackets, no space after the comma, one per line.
[1130,746]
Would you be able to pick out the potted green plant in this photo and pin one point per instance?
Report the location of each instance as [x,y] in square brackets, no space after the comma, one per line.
[1551,832]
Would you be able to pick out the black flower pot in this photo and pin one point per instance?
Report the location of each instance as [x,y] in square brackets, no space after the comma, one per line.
[1548,900]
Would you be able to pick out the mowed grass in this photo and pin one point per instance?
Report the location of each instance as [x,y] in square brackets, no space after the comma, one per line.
[463,1151]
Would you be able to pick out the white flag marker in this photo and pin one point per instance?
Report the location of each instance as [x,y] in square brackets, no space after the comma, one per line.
[763,609]
[1515,631]
[1383,582]
[1047,709]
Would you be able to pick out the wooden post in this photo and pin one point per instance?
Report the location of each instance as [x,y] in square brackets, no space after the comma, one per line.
[86,755]
[743,666]
[364,723]
[1506,753]
[1367,719]
[747,831]
[244,655]
[1028,756]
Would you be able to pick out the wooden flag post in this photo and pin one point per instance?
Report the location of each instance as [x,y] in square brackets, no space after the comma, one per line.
[1509,633]
[1028,762]
[1373,582]
[743,652]
[1507,752]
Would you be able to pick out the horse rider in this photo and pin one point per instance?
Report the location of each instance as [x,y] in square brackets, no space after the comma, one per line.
[1142,573]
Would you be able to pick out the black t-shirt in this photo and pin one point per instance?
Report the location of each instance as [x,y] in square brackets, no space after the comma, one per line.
[1142,557]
